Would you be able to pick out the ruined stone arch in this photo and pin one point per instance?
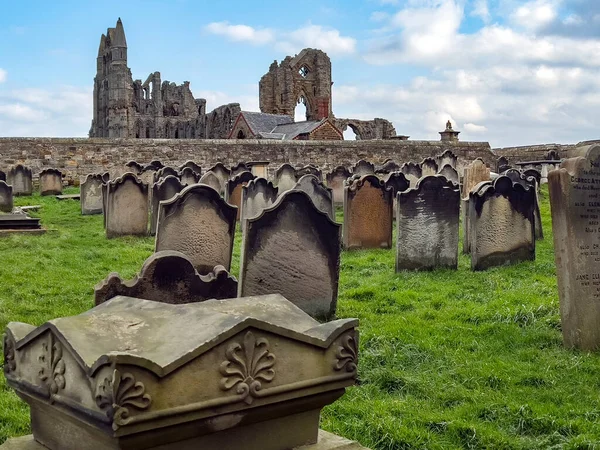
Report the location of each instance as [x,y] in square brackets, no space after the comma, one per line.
[308,102]
[150,132]
[139,129]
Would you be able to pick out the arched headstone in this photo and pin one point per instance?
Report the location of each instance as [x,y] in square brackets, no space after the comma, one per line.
[21,180]
[309,170]
[192,165]
[165,189]
[428,167]
[321,195]
[257,195]
[6,197]
[188,176]
[285,178]
[91,194]
[50,182]
[234,189]
[449,173]
[126,211]
[363,167]
[210,179]
[447,158]
[336,180]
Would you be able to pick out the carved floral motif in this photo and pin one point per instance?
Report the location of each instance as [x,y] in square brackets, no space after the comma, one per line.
[52,372]
[10,363]
[247,366]
[119,392]
[346,354]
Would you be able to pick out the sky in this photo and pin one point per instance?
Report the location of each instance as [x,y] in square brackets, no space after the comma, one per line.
[504,71]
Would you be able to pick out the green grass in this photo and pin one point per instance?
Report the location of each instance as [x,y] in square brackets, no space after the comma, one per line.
[448,359]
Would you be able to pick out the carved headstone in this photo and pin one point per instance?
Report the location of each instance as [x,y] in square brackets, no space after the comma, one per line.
[335,180]
[126,211]
[363,167]
[192,165]
[294,249]
[447,158]
[50,182]
[321,195]
[575,203]
[428,167]
[397,182]
[222,174]
[210,179]
[147,174]
[388,166]
[367,213]
[502,165]
[91,194]
[518,177]
[165,189]
[200,224]
[134,167]
[449,173]
[234,189]
[412,172]
[6,197]
[474,173]
[285,178]
[21,180]
[187,176]
[169,277]
[238,169]
[257,195]
[501,223]
[309,170]
[535,174]
[427,222]
[155,165]
[165,172]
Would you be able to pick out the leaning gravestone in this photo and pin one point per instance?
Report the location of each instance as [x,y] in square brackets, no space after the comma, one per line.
[449,173]
[169,277]
[447,158]
[21,179]
[234,189]
[187,176]
[200,224]
[294,249]
[257,195]
[575,203]
[91,194]
[50,182]
[474,173]
[501,223]
[427,223]
[126,211]
[428,167]
[335,180]
[285,178]
[222,174]
[309,170]
[6,197]
[320,194]
[367,213]
[165,189]
[363,167]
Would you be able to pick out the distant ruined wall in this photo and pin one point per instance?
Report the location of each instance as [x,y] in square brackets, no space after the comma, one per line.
[77,157]
[367,129]
[532,152]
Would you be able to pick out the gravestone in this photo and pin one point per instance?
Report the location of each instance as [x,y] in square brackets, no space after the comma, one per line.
[412,172]
[388,166]
[502,165]
[210,179]
[165,189]
[518,177]
[187,176]
[126,211]
[474,173]
[222,174]
[257,195]
[464,211]
[91,194]
[397,182]
[134,167]
[428,167]
[335,180]
[575,203]
[155,165]
[427,220]
[165,172]
[449,173]
[260,169]
[363,167]
[238,169]
[200,224]
[234,190]
[6,197]
[309,170]
[21,180]
[292,248]
[447,158]
[501,223]
[321,195]
[2,176]
[535,174]
[169,277]
[367,213]
[192,165]
[50,182]
[285,178]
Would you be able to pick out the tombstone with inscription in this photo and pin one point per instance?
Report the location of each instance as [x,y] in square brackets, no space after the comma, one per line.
[285,178]
[187,176]
[428,167]
[6,197]
[91,194]
[222,174]
[501,223]
[234,189]
[292,248]
[427,224]
[575,203]
[164,189]
[335,180]
[321,195]
[192,165]
[21,180]
[474,173]
[309,170]
[200,224]
[126,211]
[449,173]
[447,158]
[257,195]
[363,167]
[50,182]
[367,213]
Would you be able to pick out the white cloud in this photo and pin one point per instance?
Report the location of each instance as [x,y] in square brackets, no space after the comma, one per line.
[315,36]
[536,14]
[3,75]
[474,129]
[481,10]
[241,33]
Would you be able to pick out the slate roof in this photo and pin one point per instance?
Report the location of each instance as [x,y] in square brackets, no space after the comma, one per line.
[264,123]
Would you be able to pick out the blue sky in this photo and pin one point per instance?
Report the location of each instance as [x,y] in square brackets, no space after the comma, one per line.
[504,71]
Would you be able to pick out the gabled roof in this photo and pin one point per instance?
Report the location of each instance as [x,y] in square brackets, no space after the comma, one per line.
[264,123]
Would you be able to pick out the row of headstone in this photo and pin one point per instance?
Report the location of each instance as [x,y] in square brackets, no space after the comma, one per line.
[20,178]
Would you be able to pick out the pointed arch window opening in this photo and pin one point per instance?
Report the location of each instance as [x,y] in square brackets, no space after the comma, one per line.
[303,71]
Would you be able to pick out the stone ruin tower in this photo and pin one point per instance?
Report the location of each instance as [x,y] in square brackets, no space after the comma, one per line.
[304,78]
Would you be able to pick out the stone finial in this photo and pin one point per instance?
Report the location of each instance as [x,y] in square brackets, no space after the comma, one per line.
[449,134]
[449,126]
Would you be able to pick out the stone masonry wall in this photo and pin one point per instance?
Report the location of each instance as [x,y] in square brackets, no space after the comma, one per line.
[77,157]
[531,152]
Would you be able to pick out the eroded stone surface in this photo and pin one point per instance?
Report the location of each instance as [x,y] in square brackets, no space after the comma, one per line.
[335,180]
[521,178]
[210,179]
[50,182]
[309,170]
[447,158]
[6,197]
[474,173]
[165,172]
[188,176]
[222,174]
[285,178]
[192,165]
[449,173]
[363,167]
[21,180]
[321,195]
[164,189]
[126,211]
[257,195]
[91,194]
[428,167]
[234,189]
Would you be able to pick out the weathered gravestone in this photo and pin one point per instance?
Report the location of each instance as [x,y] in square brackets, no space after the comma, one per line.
[169,277]
[50,182]
[234,190]
[412,172]
[200,224]
[238,169]
[2,176]
[427,222]
[474,173]
[91,194]
[449,173]
[245,373]
[397,182]
[210,179]
[154,165]
[6,197]
[259,168]
[367,213]
[502,165]
[134,167]
[165,172]
[335,180]
[388,166]
[222,174]
[575,204]
[192,165]
[363,167]
[501,223]
[126,211]
[428,167]
[187,176]
[309,170]
[257,195]
[518,177]
[165,189]
[321,195]
[447,158]
[294,249]
[147,174]
[535,174]
[21,180]
[285,178]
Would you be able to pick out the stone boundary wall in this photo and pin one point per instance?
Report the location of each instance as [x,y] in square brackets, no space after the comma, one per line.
[532,152]
[76,157]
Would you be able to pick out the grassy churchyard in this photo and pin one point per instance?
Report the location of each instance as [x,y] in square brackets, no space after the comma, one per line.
[448,359]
